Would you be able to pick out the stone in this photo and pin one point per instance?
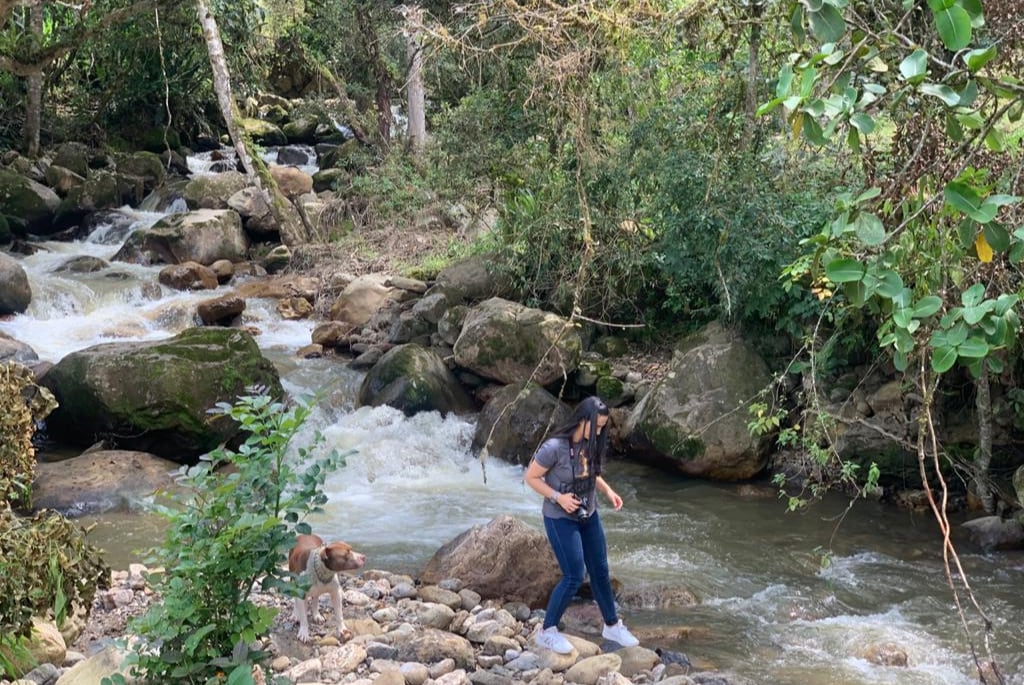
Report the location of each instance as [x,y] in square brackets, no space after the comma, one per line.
[97,667]
[511,343]
[430,646]
[154,396]
[221,310]
[204,236]
[636,660]
[29,206]
[15,291]
[101,481]
[504,558]
[413,378]
[695,418]
[515,420]
[188,276]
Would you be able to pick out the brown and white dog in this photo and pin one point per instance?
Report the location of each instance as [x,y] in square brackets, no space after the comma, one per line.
[321,563]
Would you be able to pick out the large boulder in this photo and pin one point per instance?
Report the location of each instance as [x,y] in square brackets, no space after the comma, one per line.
[155,396]
[73,156]
[15,292]
[511,343]
[29,206]
[362,298]
[101,190]
[695,417]
[203,236]
[474,279]
[515,420]
[213,191]
[101,481]
[145,166]
[503,559]
[413,379]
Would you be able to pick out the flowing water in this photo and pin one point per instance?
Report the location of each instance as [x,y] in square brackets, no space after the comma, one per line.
[766,608]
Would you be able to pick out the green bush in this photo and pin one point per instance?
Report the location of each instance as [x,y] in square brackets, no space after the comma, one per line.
[240,516]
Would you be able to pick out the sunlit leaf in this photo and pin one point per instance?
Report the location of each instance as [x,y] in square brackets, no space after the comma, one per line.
[982,248]
[973,296]
[914,66]
[976,59]
[927,306]
[863,122]
[949,96]
[973,348]
[869,229]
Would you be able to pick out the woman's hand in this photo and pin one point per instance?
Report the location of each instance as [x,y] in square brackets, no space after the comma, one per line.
[612,496]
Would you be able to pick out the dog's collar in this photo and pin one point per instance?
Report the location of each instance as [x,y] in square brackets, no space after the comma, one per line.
[319,568]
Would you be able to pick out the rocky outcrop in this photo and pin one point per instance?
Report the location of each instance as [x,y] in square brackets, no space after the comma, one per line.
[204,236]
[15,292]
[155,396]
[515,420]
[29,206]
[101,481]
[503,559]
[696,416]
[12,350]
[473,279]
[511,343]
[413,379]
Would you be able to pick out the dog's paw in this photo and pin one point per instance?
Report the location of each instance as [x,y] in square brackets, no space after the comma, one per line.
[344,634]
[303,634]
[317,617]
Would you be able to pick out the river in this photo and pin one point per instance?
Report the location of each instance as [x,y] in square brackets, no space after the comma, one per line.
[767,608]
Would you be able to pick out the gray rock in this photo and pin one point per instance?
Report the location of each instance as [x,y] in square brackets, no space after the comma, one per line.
[15,291]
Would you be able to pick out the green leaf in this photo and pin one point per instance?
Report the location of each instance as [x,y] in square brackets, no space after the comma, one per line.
[844,271]
[827,24]
[785,81]
[813,133]
[796,22]
[995,140]
[974,9]
[949,96]
[241,675]
[890,284]
[954,26]
[914,66]
[869,194]
[943,359]
[927,306]
[966,199]
[973,296]
[973,348]
[869,229]
[863,122]
[856,292]
[997,237]
[976,59]
[902,317]
[900,361]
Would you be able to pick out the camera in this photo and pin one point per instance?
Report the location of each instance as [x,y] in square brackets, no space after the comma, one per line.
[583,513]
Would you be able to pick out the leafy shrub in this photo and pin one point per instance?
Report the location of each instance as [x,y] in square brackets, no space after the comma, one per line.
[22,403]
[46,569]
[229,531]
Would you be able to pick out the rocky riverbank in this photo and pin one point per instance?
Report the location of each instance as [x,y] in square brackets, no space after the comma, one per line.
[402,634]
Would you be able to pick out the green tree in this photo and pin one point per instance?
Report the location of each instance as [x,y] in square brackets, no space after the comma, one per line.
[925,98]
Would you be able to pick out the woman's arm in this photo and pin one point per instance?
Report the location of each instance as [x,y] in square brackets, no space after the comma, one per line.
[612,496]
[535,479]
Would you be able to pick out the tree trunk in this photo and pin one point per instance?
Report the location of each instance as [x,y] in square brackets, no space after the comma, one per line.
[291,232]
[754,62]
[34,96]
[383,100]
[415,89]
[983,458]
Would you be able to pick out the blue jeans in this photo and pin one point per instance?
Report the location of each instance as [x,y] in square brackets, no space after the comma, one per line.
[579,546]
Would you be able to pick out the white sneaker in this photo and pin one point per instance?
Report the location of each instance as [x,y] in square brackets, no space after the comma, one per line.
[550,638]
[619,634]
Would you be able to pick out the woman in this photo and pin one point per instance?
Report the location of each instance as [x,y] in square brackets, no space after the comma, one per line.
[566,471]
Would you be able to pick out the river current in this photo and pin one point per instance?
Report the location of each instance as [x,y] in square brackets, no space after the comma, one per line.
[767,607]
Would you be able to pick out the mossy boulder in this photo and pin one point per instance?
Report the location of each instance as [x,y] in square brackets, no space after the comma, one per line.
[695,417]
[511,343]
[157,139]
[143,165]
[301,130]
[28,206]
[515,420]
[213,191]
[414,379]
[262,132]
[155,396]
[73,156]
[101,190]
[203,236]
[6,234]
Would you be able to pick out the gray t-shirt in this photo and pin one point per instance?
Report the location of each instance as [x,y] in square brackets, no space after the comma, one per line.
[555,457]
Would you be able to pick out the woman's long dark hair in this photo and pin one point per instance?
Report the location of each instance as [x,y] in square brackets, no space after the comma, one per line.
[597,444]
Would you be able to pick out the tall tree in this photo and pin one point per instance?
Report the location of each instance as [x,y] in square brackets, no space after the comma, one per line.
[415,91]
